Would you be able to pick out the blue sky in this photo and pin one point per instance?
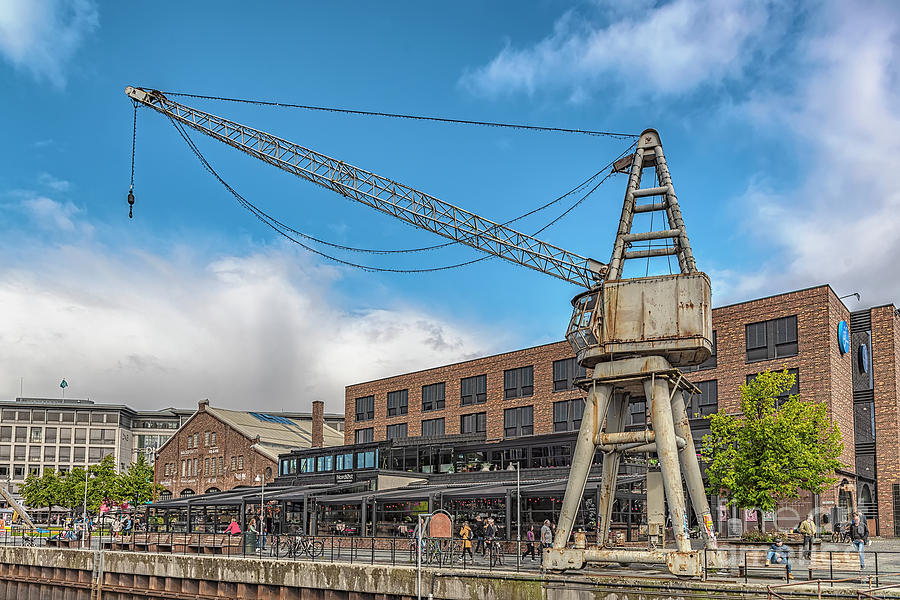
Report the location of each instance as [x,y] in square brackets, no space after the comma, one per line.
[780,123]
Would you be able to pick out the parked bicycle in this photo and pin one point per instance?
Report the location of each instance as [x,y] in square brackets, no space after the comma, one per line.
[294,547]
[841,533]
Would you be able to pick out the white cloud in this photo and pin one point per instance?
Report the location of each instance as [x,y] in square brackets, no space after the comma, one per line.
[839,224]
[42,36]
[54,184]
[48,214]
[669,49]
[259,330]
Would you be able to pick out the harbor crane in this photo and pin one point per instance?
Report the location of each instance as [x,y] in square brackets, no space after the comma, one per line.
[633,334]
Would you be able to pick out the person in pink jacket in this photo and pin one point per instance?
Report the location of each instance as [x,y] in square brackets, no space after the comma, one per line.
[233,528]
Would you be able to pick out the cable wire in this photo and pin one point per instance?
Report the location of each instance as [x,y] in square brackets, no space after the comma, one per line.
[616,135]
[286,230]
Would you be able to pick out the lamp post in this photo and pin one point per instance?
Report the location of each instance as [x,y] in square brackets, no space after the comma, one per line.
[518,515]
[84,533]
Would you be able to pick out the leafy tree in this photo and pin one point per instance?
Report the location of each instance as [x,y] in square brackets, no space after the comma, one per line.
[136,485]
[41,491]
[770,452]
[102,483]
[71,488]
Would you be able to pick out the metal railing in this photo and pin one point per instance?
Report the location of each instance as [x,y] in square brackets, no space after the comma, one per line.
[499,554]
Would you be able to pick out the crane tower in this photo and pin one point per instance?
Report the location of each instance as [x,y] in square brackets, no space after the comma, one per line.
[633,333]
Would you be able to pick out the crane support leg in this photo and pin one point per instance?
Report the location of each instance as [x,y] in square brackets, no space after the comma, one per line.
[615,422]
[595,407]
[690,466]
[657,391]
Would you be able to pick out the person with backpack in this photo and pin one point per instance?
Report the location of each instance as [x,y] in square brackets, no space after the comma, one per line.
[466,534]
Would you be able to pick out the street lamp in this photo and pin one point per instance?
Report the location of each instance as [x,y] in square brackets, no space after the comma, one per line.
[84,533]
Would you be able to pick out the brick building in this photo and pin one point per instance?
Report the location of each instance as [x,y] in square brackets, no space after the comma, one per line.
[531,391]
[217,449]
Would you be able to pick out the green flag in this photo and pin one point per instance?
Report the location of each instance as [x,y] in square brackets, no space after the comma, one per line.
[63,384]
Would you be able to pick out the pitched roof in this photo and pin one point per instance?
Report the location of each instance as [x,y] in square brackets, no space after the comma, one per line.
[276,434]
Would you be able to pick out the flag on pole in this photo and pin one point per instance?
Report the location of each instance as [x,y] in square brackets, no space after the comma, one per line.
[63,384]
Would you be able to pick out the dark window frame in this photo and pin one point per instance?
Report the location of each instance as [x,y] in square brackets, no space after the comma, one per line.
[473,423]
[775,338]
[365,408]
[396,429]
[473,390]
[565,372]
[518,421]
[432,426]
[434,401]
[518,382]
[567,415]
[794,390]
[367,434]
[400,401]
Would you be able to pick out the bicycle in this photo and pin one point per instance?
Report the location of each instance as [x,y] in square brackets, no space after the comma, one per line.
[295,547]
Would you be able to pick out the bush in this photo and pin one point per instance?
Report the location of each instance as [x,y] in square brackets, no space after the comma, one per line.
[759,537]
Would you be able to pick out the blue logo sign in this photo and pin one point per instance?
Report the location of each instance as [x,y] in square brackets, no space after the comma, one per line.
[843,337]
[863,359]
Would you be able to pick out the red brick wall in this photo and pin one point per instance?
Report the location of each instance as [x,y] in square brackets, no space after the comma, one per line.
[228,443]
[885,358]
[541,357]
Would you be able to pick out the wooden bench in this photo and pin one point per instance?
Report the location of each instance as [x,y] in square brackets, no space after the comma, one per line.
[834,563]
[756,559]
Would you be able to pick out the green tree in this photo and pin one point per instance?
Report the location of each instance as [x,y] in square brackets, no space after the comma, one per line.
[102,483]
[41,491]
[136,485]
[771,451]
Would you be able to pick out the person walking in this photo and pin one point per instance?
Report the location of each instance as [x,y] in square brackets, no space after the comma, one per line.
[253,534]
[779,553]
[529,543]
[859,535]
[479,535]
[808,529]
[466,534]
[546,535]
[490,535]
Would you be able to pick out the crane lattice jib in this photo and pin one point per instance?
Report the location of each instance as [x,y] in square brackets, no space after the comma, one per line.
[388,196]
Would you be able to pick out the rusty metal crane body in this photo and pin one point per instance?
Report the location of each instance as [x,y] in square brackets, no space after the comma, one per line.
[633,333]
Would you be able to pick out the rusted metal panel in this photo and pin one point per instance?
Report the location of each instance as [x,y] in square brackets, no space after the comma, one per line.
[668,315]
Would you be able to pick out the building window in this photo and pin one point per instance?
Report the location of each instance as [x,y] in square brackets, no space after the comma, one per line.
[565,372]
[64,452]
[240,462]
[705,403]
[433,396]
[518,421]
[78,454]
[474,423]
[473,390]
[197,440]
[709,363]
[567,414]
[365,408]
[206,467]
[36,435]
[212,438]
[396,431]
[19,452]
[5,434]
[795,389]
[50,435]
[637,412]
[206,439]
[397,403]
[772,339]
[34,453]
[21,434]
[234,463]
[518,383]
[65,436]
[364,435]
[433,427]
[50,454]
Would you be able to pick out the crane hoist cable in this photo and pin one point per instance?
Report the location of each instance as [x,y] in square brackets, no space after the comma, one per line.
[288,232]
[616,135]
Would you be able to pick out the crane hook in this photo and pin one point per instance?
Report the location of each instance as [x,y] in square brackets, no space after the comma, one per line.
[130,202]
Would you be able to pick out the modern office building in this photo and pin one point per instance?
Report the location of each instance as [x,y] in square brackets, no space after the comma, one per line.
[847,360]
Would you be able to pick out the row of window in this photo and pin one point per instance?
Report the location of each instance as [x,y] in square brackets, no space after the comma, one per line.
[18,472]
[343,461]
[59,416]
[52,453]
[517,383]
[49,435]
[209,439]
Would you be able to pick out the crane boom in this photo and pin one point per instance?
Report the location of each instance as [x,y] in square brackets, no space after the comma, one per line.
[383,194]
